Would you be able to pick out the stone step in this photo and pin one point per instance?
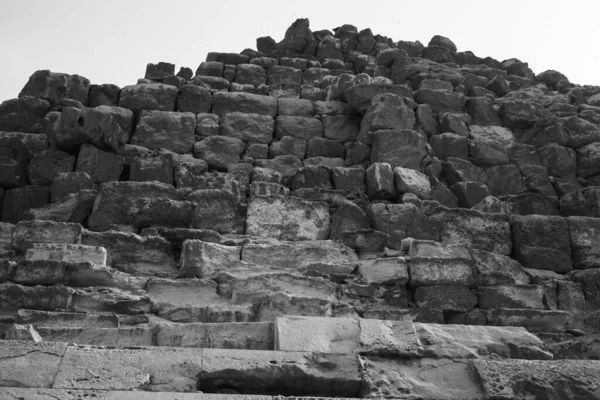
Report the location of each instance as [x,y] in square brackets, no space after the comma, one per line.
[61,366]
[225,335]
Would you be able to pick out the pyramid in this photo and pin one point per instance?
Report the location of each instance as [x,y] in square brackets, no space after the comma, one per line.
[334,215]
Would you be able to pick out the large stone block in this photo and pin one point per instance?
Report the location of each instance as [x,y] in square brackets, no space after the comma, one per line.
[203,259]
[441,101]
[26,233]
[55,86]
[380,181]
[18,357]
[72,253]
[227,102]
[148,96]
[45,165]
[384,271]
[585,241]
[542,242]
[111,208]
[287,218]
[160,211]
[341,128]
[14,297]
[99,165]
[400,221]
[512,296]
[386,112]
[299,127]
[399,148]
[412,181]
[219,151]
[194,99]
[18,201]
[23,115]
[248,127]
[169,130]
[217,210]
[455,298]
[103,95]
[583,202]
[435,271]
[107,128]
[482,231]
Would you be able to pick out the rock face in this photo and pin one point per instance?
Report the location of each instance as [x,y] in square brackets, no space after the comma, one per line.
[335,215]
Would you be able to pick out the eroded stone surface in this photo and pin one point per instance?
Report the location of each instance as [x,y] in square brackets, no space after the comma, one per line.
[17,359]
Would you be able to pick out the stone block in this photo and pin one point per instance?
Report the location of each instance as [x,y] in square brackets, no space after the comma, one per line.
[380,181]
[412,181]
[400,221]
[311,177]
[203,259]
[387,111]
[351,178]
[103,95]
[512,296]
[321,147]
[469,193]
[73,253]
[435,271]
[115,198]
[17,357]
[248,127]
[152,167]
[402,148]
[219,151]
[542,242]
[54,86]
[227,102]
[14,297]
[148,96]
[454,298]
[217,210]
[169,130]
[250,74]
[100,165]
[585,242]
[26,233]
[384,271]
[294,107]
[18,201]
[194,99]
[300,127]
[287,218]
[45,165]
[24,114]
[160,211]
[493,269]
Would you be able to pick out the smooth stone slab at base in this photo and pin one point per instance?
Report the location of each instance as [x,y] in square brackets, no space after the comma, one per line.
[552,380]
[64,394]
[29,364]
[440,379]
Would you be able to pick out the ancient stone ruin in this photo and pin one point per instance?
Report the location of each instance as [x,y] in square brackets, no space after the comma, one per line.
[334,215]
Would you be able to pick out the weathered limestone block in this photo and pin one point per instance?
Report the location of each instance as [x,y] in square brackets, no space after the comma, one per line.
[441,101]
[287,218]
[103,95]
[450,145]
[45,165]
[163,129]
[588,160]
[26,233]
[346,335]
[482,231]
[148,96]
[23,115]
[436,271]
[40,272]
[341,128]
[348,218]
[542,242]
[400,148]
[268,373]
[458,170]
[74,253]
[75,208]
[256,289]
[227,102]
[6,234]
[217,210]
[585,241]
[100,165]
[295,107]
[155,369]
[110,300]
[69,183]
[400,221]
[456,298]
[203,259]
[531,319]
[425,378]
[136,255]
[18,201]
[312,177]
[350,178]
[386,112]
[512,296]
[380,181]
[431,249]
[116,198]
[560,161]
[108,128]
[566,379]
[194,99]
[384,271]
[219,151]
[54,86]
[250,74]
[299,127]
[248,127]
[469,193]
[160,211]
[360,96]
[58,319]
[267,189]
[17,358]
[14,297]
[412,181]
[583,202]
[493,269]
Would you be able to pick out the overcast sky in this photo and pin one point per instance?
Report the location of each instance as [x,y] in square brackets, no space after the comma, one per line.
[111,41]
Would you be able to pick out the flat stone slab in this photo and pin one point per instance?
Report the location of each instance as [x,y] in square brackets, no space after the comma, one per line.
[440,379]
[26,233]
[346,336]
[29,364]
[154,369]
[75,253]
[68,394]
[519,379]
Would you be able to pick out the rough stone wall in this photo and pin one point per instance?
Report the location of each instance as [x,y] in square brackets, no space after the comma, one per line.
[391,219]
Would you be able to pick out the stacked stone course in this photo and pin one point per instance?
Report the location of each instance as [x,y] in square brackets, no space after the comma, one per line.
[334,215]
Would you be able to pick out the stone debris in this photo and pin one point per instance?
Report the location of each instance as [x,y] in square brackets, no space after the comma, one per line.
[334,215]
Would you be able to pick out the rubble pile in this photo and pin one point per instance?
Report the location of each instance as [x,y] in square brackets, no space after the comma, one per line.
[333,215]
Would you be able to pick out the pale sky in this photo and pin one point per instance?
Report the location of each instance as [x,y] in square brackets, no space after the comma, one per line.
[111,41]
